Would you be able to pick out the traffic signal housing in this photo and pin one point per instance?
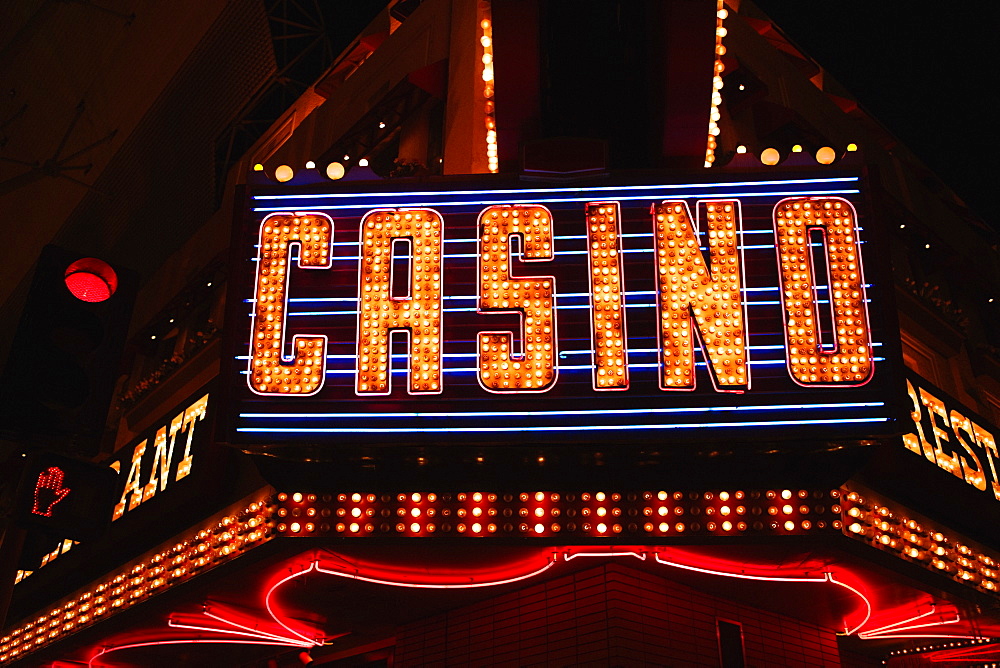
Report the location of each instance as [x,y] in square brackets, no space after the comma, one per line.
[62,497]
[56,386]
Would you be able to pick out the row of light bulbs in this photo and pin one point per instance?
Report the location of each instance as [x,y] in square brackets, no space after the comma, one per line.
[212,545]
[881,527]
[334,170]
[548,514]
[825,155]
[721,13]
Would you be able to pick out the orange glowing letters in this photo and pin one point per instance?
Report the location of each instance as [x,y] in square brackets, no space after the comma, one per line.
[417,314]
[500,368]
[699,297]
[269,372]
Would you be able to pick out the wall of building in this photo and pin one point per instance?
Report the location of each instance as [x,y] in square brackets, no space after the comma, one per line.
[612,615]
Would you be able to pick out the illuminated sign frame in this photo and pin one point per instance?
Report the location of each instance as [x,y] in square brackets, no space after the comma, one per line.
[546,333]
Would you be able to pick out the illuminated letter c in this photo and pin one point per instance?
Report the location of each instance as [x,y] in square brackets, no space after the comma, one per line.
[270,373]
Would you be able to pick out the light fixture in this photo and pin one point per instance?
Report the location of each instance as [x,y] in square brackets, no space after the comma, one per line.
[825,155]
[363,162]
[335,171]
[717,84]
[284,173]
[770,156]
[487,76]
[91,280]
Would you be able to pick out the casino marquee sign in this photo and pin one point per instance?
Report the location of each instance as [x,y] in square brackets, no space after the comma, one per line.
[651,312]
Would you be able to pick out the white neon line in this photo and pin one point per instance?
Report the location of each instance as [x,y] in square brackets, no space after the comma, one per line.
[233,623]
[631,427]
[867,635]
[563,367]
[191,641]
[675,186]
[742,576]
[932,635]
[631,351]
[868,614]
[581,295]
[456,585]
[452,371]
[293,642]
[556,200]
[564,307]
[574,555]
[270,611]
[617,411]
[900,622]
[566,237]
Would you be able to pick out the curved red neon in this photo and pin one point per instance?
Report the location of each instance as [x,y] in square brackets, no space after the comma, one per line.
[270,610]
[741,575]
[232,629]
[157,643]
[775,575]
[868,604]
[436,585]
[889,628]
[569,556]
[987,650]
[893,630]
[445,574]
[228,626]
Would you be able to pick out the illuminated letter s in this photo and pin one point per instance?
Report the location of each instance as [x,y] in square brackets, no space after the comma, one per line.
[500,369]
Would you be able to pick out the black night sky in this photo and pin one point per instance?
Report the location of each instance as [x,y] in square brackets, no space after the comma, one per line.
[926,76]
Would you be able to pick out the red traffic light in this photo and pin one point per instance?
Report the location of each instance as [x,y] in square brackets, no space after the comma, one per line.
[91,280]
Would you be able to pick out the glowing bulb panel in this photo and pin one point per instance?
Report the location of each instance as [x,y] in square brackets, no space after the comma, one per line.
[532,368]
[418,313]
[609,340]
[891,528]
[845,357]
[557,315]
[212,544]
[695,298]
[593,514]
[270,373]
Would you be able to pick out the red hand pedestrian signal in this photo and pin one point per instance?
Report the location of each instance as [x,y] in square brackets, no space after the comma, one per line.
[63,497]
[49,491]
